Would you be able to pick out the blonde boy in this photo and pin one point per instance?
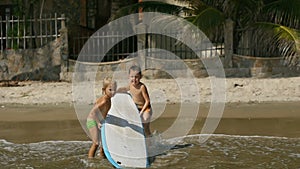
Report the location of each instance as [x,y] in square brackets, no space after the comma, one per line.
[101,108]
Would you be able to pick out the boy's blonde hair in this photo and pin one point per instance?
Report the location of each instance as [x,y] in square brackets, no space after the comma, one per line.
[107,81]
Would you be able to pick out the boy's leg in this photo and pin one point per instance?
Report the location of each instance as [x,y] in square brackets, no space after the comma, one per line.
[94,136]
[146,117]
[101,152]
[147,129]
[93,150]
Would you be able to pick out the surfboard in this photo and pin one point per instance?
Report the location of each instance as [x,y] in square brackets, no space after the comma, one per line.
[122,134]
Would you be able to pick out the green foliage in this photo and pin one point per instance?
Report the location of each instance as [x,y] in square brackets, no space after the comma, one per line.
[23,7]
[274,23]
[284,12]
[284,38]
[208,20]
[15,32]
[69,8]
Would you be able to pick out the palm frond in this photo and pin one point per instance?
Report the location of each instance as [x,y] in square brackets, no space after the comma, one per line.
[209,19]
[284,12]
[285,39]
[197,6]
[243,12]
[190,18]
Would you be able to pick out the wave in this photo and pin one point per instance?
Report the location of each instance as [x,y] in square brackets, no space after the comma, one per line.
[240,136]
[170,140]
[5,141]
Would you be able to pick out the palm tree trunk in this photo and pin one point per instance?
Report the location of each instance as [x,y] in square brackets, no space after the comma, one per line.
[103,13]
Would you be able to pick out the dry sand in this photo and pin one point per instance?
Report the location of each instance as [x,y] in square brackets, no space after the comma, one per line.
[244,90]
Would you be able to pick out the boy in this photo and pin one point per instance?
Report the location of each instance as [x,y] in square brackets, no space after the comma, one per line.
[100,109]
[140,96]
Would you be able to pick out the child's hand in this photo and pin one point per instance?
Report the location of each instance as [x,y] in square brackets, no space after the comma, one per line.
[99,125]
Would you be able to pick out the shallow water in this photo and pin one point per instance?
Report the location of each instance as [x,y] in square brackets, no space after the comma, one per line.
[220,151]
[248,136]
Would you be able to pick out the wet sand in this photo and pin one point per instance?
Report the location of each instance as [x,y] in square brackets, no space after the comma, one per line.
[35,123]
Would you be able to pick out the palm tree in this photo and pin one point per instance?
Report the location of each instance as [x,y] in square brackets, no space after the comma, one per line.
[256,25]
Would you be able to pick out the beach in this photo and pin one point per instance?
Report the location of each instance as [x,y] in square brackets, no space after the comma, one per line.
[259,127]
[32,104]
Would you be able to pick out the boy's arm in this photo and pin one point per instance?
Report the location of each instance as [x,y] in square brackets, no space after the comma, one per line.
[99,106]
[96,110]
[146,98]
